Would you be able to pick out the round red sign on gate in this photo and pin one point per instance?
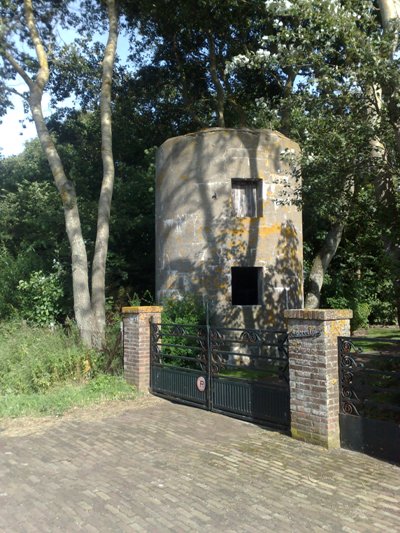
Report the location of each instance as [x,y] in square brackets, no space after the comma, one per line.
[201,383]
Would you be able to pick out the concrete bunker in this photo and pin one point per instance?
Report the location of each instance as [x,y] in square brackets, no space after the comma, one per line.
[227,228]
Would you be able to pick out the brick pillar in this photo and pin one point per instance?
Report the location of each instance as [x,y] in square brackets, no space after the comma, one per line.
[313,368]
[136,331]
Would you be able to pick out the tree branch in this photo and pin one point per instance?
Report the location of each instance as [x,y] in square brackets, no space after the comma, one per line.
[216,81]
[14,91]
[104,209]
[43,72]
[17,67]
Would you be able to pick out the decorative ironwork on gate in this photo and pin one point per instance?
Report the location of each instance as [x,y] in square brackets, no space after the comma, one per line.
[242,372]
[369,374]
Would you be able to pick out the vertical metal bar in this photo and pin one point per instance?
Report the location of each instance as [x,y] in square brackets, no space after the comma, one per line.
[340,370]
[209,365]
[151,352]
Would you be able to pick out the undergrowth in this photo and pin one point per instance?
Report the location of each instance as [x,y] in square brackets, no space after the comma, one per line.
[45,371]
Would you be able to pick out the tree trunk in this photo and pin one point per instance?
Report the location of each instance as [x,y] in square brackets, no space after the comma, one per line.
[79,263]
[390,12]
[321,263]
[66,189]
[104,207]
[220,101]
[285,109]
[384,182]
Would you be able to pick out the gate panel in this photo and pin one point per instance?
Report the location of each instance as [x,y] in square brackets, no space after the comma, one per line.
[249,374]
[369,371]
[251,400]
[179,362]
[242,373]
[178,383]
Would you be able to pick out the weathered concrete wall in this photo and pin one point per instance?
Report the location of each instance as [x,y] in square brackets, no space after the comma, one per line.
[199,239]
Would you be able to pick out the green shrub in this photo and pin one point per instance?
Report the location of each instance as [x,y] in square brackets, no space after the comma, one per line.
[40,297]
[383,312]
[187,310]
[45,371]
[12,269]
[361,312]
[338,302]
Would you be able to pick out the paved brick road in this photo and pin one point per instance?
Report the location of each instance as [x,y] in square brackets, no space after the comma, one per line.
[164,467]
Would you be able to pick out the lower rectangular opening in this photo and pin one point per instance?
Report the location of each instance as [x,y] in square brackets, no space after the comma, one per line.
[246,285]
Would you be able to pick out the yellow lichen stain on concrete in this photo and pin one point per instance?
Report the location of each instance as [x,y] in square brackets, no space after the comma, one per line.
[184,177]
[270,195]
[267,231]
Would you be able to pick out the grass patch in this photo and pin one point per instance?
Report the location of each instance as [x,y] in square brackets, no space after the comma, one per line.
[62,398]
[34,359]
[47,372]
[381,340]
[249,373]
[389,333]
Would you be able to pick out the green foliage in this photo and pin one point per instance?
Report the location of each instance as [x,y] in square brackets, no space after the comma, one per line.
[146,299]
[12,269]
[383,311]
[388,332]
[35,359]
[61,398]
[40,297]
[188,310]
[111,357]
[48,372]
[361,312]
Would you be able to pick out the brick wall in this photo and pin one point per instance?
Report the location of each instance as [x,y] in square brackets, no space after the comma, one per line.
[313,368]
[136,335]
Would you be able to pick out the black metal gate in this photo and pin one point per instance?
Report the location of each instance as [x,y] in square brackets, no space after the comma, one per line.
[240,372]
[369,371]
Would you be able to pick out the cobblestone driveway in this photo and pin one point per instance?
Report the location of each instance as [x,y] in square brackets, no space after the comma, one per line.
[163,467]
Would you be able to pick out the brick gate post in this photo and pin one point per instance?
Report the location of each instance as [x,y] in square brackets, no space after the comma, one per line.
[136,343]
[313,369]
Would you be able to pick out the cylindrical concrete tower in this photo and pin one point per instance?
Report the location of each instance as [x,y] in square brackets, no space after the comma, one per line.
[227,227]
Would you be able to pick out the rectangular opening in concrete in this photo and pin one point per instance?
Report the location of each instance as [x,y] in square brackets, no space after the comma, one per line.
[246,285]
[246,198]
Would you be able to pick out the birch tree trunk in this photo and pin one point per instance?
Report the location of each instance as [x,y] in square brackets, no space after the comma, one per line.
[66,189]
[104,207]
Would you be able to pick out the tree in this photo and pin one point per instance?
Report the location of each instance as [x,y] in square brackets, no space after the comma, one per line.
[326,61]
[190,43]
[36,27]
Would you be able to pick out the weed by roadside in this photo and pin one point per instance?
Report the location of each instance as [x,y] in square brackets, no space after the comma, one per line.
[64,397]
[45,371]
